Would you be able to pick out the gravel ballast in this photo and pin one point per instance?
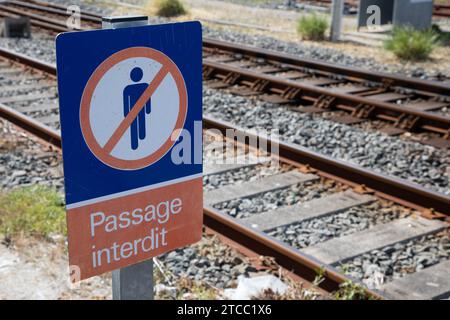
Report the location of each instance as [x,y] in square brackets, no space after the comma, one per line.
[271,200]
[25,162]
[318,52]
[208,261]
[404,159]
[311,232]
[251,173]
[321,53]
[393,262]
[407,160]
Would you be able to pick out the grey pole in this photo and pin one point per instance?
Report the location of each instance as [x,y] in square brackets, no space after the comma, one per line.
[336,19]
[134,282]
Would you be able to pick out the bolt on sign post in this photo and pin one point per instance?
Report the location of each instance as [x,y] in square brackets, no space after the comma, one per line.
[131,111]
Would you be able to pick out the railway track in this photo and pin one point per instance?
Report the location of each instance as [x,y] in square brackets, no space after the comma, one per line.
[344,188]
[274,230]
[342,94]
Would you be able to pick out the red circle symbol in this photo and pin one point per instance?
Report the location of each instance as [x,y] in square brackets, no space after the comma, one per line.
[103,153]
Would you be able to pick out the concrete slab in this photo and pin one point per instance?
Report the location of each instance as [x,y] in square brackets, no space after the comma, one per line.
[347,247]
[429,283]
[22,98]
[252,188]
[241,161]
[316,208]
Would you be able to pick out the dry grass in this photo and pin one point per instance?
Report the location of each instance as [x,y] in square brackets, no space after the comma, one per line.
[313,27]
[410,44]
[32,211]
[165,8]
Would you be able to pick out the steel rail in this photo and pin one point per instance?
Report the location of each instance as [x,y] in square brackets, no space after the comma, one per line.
[398,188]
[58,25]
[29,61]
[286,256]
[442,10]
[426,121]
[31,125]
[290,259]
[302,265]
[53,8]
[61,7]
[441,88]
[395,188]
[428,86]
[40,24]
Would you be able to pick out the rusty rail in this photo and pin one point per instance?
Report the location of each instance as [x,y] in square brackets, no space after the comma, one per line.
[402,117]
[40,65]
[287,257]
[380,77]
[396,189]
[290,259]
[276,85]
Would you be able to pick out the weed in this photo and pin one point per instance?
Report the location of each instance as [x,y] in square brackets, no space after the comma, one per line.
[409,44]
[312,27]
[169,8]
[32,211]
[350,291]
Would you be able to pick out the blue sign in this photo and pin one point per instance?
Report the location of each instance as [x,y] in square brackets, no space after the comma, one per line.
[111,69]
[131,112]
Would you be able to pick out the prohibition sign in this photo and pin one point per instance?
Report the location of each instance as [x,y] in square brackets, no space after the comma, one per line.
[106,138]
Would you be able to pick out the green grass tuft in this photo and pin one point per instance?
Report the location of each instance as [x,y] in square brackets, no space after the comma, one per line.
[312,27]
[443,36]
[32,211]
[350,291]
[409,44]
[169,8]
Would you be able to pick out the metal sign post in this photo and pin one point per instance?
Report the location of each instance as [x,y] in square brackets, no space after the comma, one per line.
[136,281]
[336,19]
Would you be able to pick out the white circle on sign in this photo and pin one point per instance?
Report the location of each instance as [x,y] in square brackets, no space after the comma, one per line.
[107,108]
[118,98]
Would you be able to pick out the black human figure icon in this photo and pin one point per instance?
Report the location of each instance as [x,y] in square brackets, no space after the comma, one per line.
[131,94]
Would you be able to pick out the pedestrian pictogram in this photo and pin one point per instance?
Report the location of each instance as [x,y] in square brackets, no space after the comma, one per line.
[131,112]
[131,94]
